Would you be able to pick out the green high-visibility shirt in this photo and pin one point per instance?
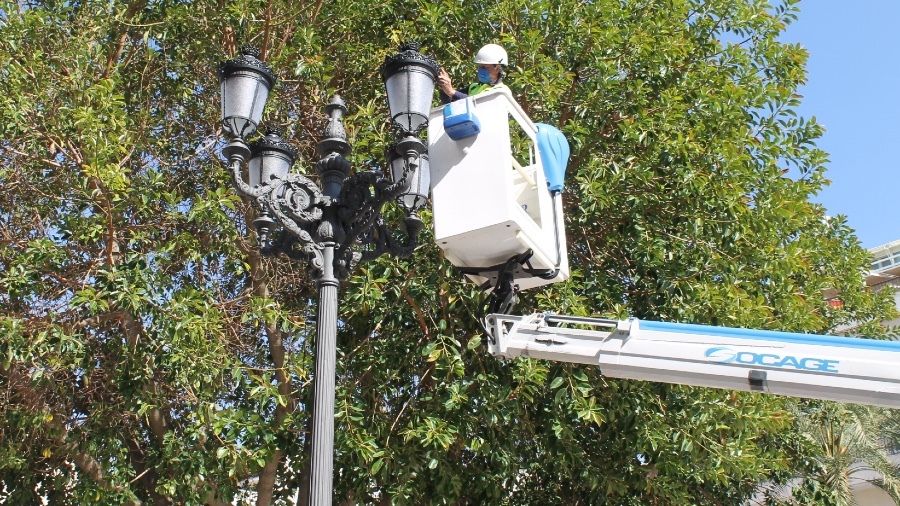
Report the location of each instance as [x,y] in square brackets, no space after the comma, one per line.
[476,88]
[471,90]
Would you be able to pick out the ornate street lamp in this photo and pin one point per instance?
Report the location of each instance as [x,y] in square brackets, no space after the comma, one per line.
[409,78]
[245,82]
[338,223]
[270,158]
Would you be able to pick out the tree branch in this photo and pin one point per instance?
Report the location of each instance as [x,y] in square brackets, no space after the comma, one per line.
[133,329]
[266,485]
[267,31]
[122,35]
[315,12]
[420,315]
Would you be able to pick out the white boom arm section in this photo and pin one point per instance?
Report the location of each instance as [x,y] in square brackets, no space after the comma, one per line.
[847,369]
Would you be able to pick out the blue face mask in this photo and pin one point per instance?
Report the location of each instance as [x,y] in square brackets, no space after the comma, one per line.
[484,76]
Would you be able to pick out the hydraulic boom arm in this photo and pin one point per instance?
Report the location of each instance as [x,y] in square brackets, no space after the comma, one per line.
[846,369]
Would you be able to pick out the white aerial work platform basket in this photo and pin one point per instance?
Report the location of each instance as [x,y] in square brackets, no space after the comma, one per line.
[490,196]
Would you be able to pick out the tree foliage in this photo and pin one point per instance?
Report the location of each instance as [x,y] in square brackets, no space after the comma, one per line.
[148,353]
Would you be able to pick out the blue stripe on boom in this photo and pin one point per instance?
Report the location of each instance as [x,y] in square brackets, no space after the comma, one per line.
[771,335]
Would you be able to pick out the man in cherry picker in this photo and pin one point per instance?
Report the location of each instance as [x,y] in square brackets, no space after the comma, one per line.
[491,60]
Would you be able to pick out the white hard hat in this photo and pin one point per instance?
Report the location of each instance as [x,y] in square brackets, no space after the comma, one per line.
[491,54]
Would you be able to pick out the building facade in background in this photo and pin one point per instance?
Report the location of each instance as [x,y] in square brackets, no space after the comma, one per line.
[885,273]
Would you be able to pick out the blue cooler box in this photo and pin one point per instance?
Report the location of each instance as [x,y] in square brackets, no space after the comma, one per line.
[460,121]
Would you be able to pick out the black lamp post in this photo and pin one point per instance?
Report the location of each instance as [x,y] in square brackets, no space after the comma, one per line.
[336,224]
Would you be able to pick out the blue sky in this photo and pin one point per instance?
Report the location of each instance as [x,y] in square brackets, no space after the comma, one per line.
[853,89]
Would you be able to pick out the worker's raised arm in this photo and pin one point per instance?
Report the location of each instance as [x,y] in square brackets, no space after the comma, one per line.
[445,86]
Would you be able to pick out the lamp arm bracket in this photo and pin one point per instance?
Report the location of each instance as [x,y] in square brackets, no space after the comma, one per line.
[345,261]
[300,199]
[385,241]
[297,244]
[240,185]
[364,194]
[309,252]
[294,228]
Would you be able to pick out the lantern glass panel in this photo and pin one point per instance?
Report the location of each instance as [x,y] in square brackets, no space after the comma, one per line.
[259,103]
[254,169]
[275,166]
[424,180]
[397,164]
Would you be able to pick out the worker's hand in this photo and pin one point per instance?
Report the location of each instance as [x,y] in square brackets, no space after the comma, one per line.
[444,83]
